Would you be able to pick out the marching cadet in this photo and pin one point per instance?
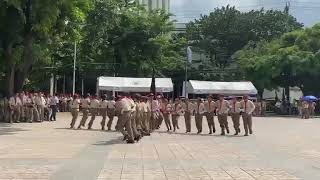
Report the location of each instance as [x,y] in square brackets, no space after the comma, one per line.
[74,106]
[133,110]
[30,106]
[118,108]
[103,111]
[166,110]
[160,113]
[235,114]
[155,116]
[54,102]
[23,107]
[248,107]
[199,115]
[85,104]
[94,107]
[17,108]
[177,112]
[188,108]
[126,107]
[138,116]
[209,108]
[111,112]
[39,102]
[145,115]
[222,111]
[2,113]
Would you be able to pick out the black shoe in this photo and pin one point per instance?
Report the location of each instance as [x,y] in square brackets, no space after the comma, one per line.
[228,130]
[147,134]
[109,129]
[239,131]
[125,137]
[178,127]
[223,133]
[137,138]
[246,135]
[210,132]
[130,141]
[102,129]
[214,130]
[236,134]
[250,131]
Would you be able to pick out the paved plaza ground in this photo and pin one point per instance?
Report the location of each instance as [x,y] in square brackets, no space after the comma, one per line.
[281,148]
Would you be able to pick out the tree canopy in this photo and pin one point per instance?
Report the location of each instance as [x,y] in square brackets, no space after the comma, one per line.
[291,60]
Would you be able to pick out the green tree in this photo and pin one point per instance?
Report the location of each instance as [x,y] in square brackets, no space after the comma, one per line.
[28,33]
[226,30]
[291,60]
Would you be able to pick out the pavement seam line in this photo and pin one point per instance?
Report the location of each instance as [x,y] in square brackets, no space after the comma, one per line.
[160,162]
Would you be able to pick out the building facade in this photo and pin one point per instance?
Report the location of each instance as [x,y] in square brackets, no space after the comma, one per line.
[156,4]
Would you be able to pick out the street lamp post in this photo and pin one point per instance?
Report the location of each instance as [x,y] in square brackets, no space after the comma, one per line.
[74,68]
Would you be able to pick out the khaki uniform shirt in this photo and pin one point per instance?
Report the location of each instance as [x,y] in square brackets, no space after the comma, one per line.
[85,103]
[75,104]
[235,107]
[222,107]
[104,104]
[95,104]
[200,108]
[210,107]
[247,107]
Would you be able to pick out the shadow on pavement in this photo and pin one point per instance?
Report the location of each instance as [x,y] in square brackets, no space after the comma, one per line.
[110,142]
[6,129]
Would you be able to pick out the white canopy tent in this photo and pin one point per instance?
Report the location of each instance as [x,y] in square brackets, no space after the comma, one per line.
[128,84]
[226,88]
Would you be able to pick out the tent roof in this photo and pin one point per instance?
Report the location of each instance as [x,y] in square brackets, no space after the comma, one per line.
[128,84]
[227,88]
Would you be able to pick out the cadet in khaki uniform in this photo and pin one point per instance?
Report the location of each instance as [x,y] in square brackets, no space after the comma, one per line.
[39,100]
[210,107]
[133,116]
[200,110]
[235,114]
[177,112]
[188,108]
[2,109]
[145,115]
[12,103]
[23,107]
[30,106]
[94,107]
[247,107]
[166,110]
[126,107]
[111,112]
[74,106]
[137,101]
[103,111]
[17,108]
[118,109]
[85,104]
[222,111]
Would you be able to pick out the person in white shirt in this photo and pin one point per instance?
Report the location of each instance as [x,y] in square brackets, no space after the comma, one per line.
[74,106]
[39,100]
[235,114]
[222,111]
[210,107]
[111,111]
[54,101]
[94,108]
[118,108]
[247,108]
[200,110]
[103,111]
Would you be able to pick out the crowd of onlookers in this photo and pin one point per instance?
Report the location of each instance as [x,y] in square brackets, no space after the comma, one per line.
[32,107]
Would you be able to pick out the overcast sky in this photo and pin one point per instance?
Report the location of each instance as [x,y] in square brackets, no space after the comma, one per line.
[306,11]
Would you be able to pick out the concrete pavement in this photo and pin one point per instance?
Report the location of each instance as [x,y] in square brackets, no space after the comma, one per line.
[281,148]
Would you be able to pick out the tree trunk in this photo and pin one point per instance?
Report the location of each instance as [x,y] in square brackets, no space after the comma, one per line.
[9,73]
[26,66]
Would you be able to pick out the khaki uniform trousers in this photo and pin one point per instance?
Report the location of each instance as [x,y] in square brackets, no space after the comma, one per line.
[94,112]
[74,113]
[85,112]
[223,121]
[210,120]
[103,113]
[305,113]
[111,113]
[139,120]
[145,122]
[175,118]
[247,122]
[17,113]
[198,119]
[133,124]
[126,123]
[29,114]
[187,119]
[166,117]
[236,121]
[40,109]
